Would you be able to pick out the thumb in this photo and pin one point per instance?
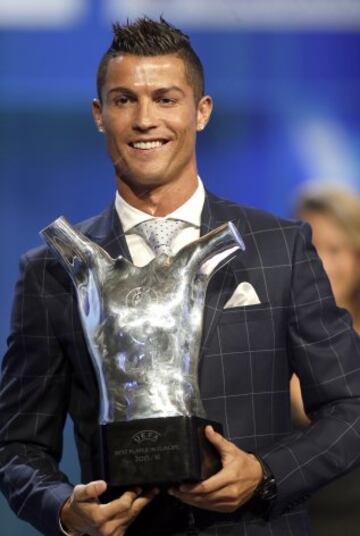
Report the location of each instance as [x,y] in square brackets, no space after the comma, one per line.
[222,445]
[89,492]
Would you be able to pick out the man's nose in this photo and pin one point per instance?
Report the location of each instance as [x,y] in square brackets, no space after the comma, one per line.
[145,116]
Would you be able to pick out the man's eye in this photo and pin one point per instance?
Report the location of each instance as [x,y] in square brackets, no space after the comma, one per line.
[166,100]
[122,100]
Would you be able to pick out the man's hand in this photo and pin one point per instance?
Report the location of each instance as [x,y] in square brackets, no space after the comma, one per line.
[229,488]
[83,513]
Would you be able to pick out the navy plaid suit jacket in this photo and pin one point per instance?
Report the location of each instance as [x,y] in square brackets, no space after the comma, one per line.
[248,356]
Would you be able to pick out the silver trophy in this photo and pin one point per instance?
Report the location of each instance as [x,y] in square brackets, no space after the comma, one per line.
[143,327]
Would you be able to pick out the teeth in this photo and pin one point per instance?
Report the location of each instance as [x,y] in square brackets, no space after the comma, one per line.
[147,144]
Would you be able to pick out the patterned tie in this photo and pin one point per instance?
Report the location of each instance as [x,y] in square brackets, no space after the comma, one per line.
[159,233]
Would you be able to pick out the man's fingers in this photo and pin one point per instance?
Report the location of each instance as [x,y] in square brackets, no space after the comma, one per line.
[121,512]
[220,443]
[213,485]
[205,487]
[214,506]
[217,481]
[131,501]
[85,513]
[220,480]
[121,505]
[143,501]
[88,492]
[223,500]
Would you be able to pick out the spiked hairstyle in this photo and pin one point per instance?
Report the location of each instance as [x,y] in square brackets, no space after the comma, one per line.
[146,37]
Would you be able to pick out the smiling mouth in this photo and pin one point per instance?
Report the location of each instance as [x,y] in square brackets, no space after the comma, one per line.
[147,145]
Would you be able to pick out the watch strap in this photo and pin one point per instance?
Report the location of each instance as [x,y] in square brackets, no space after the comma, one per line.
[266,492]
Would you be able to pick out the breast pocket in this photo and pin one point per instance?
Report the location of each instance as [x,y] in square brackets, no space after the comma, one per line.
[243,352]
[247,328]
[242,313]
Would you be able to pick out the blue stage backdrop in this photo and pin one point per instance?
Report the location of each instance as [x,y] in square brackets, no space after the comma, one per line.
[286,86]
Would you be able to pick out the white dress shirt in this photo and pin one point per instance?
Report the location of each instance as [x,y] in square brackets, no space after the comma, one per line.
[189,212]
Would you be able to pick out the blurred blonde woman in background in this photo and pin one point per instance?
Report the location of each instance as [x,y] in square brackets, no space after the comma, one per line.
[334,215]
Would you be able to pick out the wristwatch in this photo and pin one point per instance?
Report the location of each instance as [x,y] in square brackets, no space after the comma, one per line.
[266,491]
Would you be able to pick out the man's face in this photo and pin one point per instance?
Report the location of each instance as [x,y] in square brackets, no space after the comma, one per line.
[150,118]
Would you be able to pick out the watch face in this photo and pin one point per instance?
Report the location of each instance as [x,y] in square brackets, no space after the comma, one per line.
[267,490]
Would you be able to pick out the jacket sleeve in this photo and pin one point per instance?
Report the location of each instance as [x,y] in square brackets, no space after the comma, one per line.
[324,352]
[34,395]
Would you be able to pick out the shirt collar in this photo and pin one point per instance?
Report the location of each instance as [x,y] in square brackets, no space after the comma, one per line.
[190,211]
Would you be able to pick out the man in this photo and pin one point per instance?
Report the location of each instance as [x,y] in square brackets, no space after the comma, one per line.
[150,106]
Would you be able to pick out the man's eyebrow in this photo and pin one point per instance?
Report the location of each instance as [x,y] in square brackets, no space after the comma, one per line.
[170,88]
[158,91]
[120,89]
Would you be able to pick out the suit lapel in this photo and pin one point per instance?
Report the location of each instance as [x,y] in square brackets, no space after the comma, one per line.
[222,283]
[109,234]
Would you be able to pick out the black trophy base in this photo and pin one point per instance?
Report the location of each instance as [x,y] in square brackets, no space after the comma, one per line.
[157,452]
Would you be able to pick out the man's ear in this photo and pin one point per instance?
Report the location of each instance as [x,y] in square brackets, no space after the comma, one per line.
[97,115]
[204,110]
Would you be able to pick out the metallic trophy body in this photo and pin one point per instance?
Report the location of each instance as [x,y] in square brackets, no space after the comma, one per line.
[143,327]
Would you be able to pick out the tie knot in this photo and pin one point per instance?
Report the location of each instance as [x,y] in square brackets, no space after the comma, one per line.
[159,233]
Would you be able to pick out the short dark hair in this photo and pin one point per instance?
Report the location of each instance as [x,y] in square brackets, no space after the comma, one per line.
[146,37]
